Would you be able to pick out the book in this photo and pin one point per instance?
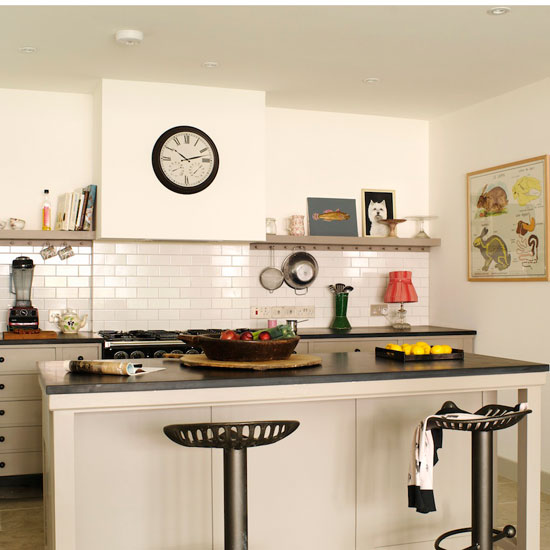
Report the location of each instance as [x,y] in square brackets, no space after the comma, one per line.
[63,209]
[75,198]
[82,210]
[89,218]
[120,368]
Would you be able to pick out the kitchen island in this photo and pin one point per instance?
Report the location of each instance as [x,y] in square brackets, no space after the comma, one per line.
[338,482]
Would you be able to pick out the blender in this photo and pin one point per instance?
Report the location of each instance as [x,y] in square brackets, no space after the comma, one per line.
[22,316]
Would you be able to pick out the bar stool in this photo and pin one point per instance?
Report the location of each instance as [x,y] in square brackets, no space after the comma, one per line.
[494,417]
[234,438]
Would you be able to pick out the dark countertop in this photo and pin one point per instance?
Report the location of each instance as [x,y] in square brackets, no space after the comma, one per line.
[79,338]
[336,367]
[381,332]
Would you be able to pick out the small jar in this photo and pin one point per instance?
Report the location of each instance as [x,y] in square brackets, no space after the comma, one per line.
[270,226]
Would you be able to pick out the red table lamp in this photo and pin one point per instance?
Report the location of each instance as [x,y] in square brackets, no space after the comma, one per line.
[400,290]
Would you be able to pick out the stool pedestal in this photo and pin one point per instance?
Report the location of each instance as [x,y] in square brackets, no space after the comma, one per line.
[235,497]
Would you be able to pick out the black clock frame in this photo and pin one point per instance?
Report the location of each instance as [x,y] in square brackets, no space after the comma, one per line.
[161,176]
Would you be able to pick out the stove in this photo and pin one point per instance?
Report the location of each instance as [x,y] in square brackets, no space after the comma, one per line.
[137,344]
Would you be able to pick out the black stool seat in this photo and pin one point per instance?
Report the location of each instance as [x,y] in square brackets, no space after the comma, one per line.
[234,438]
[235,435]
[488,419]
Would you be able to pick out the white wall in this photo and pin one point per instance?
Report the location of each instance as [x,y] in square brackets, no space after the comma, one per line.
[510,318]
[318,154]
[46,143]
[134,204]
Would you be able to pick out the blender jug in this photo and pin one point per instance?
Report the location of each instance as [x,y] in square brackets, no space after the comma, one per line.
[22,274]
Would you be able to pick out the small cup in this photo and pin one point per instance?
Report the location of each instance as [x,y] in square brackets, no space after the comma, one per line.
[293,324]
[48,252]
[66,252]
[16,223]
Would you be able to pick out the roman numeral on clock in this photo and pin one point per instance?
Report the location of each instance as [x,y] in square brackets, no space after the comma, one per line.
[165,158]
[176,140]
[186,138]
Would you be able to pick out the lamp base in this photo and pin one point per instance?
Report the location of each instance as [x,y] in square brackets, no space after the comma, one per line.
[401,324]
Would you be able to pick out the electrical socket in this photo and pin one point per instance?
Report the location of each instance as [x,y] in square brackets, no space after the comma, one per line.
[260,312]
[53,313]
[378,310]
[305,311]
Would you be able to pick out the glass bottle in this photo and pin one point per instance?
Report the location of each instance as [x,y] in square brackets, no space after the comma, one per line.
[46,212]
[270,226]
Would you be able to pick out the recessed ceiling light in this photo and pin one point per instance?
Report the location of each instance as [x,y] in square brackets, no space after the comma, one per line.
[27,49]
[210,64]
[129,37]
[499,10]
[371,80]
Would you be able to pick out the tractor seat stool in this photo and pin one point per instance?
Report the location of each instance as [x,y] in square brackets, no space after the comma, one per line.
[234,438]
[494,417]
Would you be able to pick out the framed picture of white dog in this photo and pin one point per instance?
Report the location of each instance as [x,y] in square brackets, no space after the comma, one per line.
[378,205]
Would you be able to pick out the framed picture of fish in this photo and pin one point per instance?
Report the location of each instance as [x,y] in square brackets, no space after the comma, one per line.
[377,205]
[332,217]
[508,222]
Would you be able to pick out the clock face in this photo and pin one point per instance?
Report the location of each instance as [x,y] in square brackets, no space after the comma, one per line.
[185,160]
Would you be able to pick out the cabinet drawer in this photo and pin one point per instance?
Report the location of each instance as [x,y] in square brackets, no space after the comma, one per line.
[19,385]
[24,359]
[80,353]
[302,347]
[20,439]
[16,464]
[365,344]
[21,413]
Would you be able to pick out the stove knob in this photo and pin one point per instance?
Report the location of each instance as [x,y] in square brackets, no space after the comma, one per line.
[192,351]
[159,353]
[23,312]
[137,354]
[121,355]
[177,352]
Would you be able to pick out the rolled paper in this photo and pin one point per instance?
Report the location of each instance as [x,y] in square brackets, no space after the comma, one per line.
[121,368]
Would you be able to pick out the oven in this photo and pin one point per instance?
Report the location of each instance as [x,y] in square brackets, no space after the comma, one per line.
[139,344]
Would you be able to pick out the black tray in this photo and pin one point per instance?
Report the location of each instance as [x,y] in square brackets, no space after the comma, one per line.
[404,358]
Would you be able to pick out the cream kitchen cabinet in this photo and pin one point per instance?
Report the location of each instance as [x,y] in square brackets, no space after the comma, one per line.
[20,403]
[333,345]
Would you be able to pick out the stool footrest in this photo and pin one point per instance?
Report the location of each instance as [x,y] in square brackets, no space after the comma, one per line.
[508,531]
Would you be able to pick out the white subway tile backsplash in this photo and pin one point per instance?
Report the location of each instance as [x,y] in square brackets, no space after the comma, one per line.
[128,286]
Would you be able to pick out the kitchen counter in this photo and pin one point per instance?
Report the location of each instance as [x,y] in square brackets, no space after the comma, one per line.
[381,332]
[338,482]
[61,338]
[335,368]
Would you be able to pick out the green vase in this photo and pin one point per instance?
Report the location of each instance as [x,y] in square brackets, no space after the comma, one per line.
[340,321]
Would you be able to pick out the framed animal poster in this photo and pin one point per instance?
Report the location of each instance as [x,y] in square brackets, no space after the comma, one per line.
[508,222]
[332,217]
[377,205]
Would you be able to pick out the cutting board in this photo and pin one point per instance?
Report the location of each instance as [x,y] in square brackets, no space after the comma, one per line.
[42,335]
[292,362]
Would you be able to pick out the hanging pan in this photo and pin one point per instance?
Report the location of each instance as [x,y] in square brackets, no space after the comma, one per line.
[271,278]
[300,270]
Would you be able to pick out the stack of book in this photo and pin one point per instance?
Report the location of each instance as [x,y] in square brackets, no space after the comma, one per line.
[75,211]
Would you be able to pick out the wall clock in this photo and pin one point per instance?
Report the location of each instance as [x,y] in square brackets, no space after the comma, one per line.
[185,160]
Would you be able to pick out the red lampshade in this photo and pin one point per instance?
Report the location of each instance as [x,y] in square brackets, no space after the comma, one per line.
[400,288]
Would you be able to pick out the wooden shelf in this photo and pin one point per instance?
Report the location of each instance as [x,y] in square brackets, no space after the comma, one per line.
[38,238]
[287,242]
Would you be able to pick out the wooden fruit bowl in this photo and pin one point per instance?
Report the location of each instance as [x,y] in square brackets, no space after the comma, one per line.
[241,350]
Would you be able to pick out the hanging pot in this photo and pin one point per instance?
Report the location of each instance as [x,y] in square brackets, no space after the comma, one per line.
[300,270]
[271,278]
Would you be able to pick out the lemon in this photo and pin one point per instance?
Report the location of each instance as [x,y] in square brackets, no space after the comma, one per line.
[423,344]
[406,348]
[395,347]
[418,350]
[388,346]
[447,349]
[437,350]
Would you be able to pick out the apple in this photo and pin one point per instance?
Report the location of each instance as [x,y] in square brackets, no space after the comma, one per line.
[264,335]
[229,335]
[246,336]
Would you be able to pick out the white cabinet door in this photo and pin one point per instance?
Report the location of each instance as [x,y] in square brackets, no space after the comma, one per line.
[19,359]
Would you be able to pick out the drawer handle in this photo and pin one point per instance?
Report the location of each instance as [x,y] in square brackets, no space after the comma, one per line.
[356,349]
[1,359]
[2,386]
[2,412]
[2,464]
[80,358]
[2,439]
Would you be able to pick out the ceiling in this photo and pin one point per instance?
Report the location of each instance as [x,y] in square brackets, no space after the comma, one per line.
[430,60]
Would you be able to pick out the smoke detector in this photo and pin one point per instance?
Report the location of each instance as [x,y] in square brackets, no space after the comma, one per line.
[129,37]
